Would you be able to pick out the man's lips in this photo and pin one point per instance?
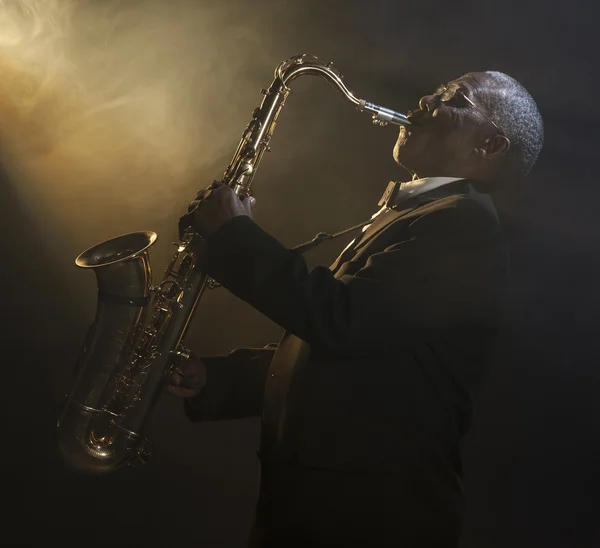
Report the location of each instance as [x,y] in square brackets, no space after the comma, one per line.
[417,117]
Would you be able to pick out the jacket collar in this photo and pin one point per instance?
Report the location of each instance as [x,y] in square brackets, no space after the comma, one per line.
[398,200]
[397,193]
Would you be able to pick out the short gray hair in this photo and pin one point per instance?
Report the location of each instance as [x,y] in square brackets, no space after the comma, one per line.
[516,113]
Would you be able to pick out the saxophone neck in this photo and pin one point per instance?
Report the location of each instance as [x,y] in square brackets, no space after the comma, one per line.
[255,140]
[302,65]
[309,64]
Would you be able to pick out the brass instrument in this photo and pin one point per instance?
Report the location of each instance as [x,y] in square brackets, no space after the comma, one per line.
[138,331]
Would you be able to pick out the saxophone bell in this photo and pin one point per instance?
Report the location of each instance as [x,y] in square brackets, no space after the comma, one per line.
[90,434]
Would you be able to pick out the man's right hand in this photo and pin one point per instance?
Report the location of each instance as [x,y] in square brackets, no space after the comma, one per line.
[187,379]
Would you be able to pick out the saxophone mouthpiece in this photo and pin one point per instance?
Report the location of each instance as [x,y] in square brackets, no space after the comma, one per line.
[383,116]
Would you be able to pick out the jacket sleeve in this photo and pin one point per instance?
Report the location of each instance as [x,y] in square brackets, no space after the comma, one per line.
[435,276]
[234,387]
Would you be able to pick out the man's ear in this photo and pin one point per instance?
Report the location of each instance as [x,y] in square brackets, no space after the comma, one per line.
[493,147]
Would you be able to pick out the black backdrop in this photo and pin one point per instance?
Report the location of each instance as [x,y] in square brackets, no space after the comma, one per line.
[533,452]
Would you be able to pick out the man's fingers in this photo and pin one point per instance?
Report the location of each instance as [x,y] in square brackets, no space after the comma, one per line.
[213,186]
[185,222]
[201,194]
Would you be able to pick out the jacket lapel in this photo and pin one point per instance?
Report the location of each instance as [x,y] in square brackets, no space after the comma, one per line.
[378,224]
[404,208]
[383,221]
[405,205]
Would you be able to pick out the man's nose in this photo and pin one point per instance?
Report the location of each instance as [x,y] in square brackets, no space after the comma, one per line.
[428,102]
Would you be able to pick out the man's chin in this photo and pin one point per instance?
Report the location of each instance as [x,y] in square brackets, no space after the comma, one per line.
[407,158]
[403,135]
[401,154]
[412,151]
[404,143]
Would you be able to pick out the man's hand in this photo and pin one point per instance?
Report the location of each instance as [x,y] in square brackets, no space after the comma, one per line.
[188,379]
[213,207]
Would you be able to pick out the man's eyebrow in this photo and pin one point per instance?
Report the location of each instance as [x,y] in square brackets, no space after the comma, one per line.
[468,83]
[467,90]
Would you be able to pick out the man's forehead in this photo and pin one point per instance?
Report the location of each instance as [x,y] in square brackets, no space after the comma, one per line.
[473,80]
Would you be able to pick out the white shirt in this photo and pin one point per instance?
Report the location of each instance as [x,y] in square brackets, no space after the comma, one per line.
[420,186]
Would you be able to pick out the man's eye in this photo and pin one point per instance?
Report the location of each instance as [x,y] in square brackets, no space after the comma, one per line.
[458,101]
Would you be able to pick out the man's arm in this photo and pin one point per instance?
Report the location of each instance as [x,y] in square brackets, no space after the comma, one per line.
[234,385]
[438,276]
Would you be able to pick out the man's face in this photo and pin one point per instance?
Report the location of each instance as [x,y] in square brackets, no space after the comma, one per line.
[443,134]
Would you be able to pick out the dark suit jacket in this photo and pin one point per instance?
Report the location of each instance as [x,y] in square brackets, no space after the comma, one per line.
[375,375]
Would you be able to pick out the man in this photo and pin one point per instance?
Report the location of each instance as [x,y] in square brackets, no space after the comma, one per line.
[369,392]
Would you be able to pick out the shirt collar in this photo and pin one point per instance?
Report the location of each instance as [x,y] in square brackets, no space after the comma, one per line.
[411,189]
[396,193]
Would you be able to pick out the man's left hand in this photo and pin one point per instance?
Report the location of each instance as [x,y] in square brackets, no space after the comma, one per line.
[213,207]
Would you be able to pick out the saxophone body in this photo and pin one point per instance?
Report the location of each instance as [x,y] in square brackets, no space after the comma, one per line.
[138,330]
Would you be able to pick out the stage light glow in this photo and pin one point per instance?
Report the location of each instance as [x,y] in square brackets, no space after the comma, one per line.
[108,109]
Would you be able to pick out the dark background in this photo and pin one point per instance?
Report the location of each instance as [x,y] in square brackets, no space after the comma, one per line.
[532,455]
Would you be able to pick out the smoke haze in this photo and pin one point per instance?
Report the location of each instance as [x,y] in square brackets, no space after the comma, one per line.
[107,109]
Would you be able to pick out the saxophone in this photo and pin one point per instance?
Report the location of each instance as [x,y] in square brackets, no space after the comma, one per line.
[137,334]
